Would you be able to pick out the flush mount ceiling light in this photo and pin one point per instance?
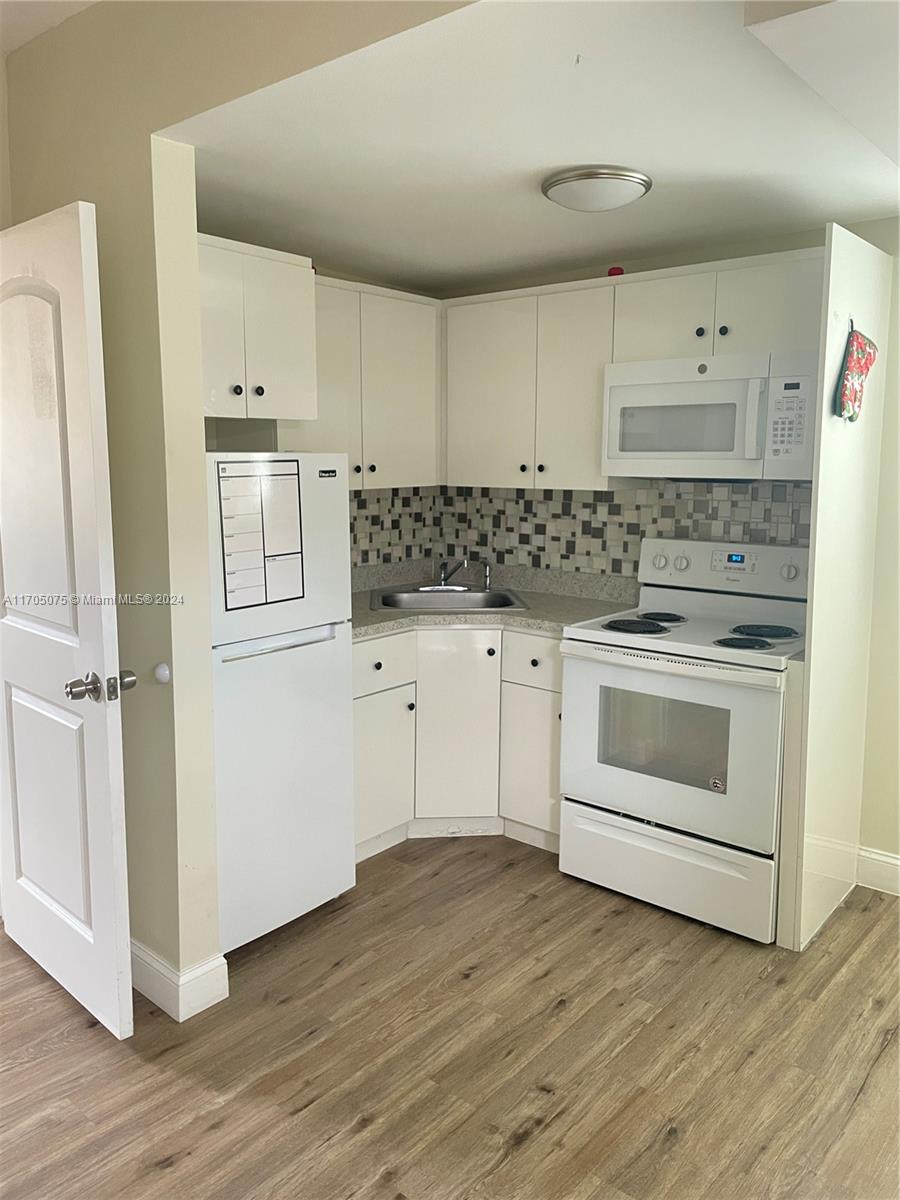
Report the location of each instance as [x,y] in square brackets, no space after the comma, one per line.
[596,188]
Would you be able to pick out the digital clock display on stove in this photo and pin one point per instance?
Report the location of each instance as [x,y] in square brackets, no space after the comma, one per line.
[736,558]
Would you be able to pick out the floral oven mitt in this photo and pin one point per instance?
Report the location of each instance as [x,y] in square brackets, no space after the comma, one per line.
[858,359]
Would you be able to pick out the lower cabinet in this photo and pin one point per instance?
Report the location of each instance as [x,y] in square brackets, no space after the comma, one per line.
[384,754]
[529,756]
[458,726]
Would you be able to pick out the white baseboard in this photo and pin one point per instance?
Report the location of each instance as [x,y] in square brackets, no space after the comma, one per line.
[427,827]
[542,838]
[181,994]
[878,870]
[381,841]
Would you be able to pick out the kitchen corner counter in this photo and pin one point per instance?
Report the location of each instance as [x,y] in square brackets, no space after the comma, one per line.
[546,613]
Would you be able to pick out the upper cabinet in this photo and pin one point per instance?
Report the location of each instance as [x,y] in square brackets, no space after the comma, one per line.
[665,318]
[378,366]
[574,344]
[491,378]
[259,331]
[775,308]
[772,308]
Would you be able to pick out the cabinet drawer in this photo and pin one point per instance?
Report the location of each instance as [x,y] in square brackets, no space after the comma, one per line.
[533,660]
[384,663]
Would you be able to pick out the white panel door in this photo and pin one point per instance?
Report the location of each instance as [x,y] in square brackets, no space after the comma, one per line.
[529,756]
[458,725]
[665,318]
[575,332]
[338,426]
[399,391]
[491,374]
[384,756]
[222,328]
[279,339]
[772,309]
[63,874]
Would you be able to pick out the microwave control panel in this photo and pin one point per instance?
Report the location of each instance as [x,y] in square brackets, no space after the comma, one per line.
[789,429]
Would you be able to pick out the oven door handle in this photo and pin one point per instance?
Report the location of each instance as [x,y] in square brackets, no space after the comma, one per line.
[682,668]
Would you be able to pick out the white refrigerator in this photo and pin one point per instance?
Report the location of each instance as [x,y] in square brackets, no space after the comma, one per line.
[280,567]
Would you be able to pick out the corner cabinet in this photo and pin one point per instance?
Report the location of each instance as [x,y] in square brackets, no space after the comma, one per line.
[378,370]
[258,326]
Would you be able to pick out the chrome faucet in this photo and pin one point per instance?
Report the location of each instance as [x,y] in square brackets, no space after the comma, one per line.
[486,564]
[447,572]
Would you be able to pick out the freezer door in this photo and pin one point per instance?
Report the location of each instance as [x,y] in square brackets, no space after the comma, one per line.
[279,536]
[284,778]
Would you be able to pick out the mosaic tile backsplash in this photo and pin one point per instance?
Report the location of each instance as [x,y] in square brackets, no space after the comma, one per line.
[571,530]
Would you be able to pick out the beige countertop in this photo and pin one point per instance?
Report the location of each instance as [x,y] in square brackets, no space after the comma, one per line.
[546,613]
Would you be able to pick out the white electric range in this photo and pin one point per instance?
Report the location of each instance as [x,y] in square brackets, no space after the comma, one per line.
[673,731]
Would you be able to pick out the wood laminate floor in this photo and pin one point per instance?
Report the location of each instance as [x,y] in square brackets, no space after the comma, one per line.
[468,1023]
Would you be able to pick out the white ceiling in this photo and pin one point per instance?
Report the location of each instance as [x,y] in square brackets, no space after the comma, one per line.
[22,20]
[417,161]
[814,43]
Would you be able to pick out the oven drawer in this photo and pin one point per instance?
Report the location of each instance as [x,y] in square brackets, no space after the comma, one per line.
[720,886]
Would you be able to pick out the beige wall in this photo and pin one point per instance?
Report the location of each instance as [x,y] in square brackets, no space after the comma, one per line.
[5,202]
[84,100]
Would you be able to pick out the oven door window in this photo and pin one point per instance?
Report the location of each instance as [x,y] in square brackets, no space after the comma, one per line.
[676,740]
[678,428]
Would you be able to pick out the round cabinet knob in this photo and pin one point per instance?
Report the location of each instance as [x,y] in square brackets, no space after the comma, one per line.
[790,571]
[700,331]
[541,467]
[523,467]
[357,470]
[535,662]
[372,468]
[681,563]
[411,706]
[723,329]
[259,391]
[491,652]
[238,390]
[660,561]
[378,665]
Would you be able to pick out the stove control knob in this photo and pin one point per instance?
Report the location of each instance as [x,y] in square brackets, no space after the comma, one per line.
[790,571]
[681,563]
[660,561]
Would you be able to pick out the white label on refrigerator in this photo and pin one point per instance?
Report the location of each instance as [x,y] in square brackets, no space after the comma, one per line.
[262,535]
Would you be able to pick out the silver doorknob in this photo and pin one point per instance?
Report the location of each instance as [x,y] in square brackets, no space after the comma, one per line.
[77,689]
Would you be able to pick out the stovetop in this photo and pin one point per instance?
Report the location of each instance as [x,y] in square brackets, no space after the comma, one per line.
[740,630]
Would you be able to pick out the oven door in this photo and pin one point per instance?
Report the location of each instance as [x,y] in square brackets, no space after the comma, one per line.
[666,418]
[690,745]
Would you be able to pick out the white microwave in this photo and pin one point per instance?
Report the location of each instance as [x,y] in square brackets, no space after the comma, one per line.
[742,416]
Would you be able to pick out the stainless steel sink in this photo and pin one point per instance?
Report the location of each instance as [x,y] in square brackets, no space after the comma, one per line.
[444,599]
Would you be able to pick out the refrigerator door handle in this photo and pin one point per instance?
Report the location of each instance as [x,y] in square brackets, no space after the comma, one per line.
[324,633]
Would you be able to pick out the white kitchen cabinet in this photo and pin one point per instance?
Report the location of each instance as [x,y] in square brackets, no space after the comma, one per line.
[776,307]
[529,756]
[258,329]
[458,722]
[399,391]
[384,755]
[574,344]
[491,381]
[665,318]
[338,426]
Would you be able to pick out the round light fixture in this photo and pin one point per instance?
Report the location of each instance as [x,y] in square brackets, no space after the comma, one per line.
[596,188]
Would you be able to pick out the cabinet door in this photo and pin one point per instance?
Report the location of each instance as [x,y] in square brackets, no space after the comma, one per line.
[491,392]
[338,427]
[665,318]
[529,756]
[222,331]
[384,757]
[775,309]
[458,726]
[280,339]
[575,332]
[399,390]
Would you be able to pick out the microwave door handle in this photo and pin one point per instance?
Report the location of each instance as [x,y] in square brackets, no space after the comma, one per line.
[753,449]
